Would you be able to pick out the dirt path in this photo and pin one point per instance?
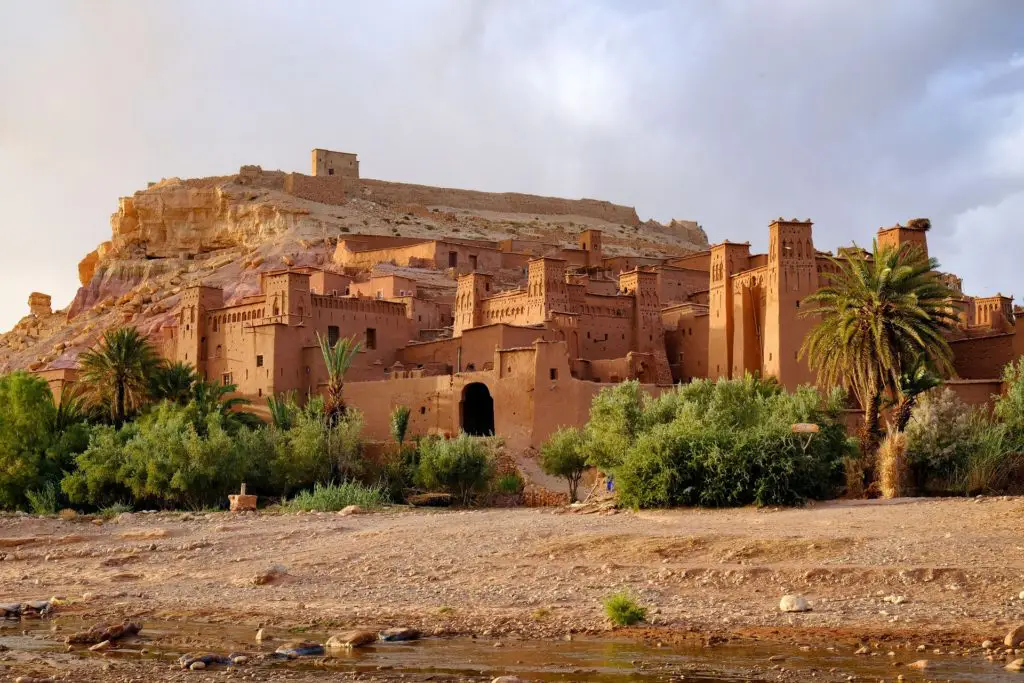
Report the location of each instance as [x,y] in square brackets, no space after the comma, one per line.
[916,571]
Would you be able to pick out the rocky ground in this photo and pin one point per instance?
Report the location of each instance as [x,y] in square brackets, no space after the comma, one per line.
[903,576]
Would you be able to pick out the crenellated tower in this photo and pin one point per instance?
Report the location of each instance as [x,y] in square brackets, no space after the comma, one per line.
[470,289]
[792,277]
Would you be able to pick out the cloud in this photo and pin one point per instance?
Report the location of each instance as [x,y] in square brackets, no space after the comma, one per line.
[730,113]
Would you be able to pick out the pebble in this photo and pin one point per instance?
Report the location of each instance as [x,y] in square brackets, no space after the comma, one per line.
[920,664]
[1014,637]
[197,666]
[1015,665]
[987,645]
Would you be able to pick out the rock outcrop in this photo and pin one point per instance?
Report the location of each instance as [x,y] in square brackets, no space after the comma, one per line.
[225,230]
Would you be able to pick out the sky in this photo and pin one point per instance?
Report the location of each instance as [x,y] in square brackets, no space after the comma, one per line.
[855,114]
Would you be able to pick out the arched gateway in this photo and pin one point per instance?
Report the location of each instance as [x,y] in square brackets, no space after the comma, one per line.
[476,410]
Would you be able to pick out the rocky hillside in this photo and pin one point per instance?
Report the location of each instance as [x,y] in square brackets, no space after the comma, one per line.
[224,230]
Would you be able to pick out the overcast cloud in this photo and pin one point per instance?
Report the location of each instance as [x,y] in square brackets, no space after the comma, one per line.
[854,114]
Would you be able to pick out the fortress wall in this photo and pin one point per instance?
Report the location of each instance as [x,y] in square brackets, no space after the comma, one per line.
[983,357]
[506,202]
[338,189]
[324,189]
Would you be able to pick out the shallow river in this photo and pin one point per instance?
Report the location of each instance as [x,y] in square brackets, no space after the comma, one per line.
[582,659]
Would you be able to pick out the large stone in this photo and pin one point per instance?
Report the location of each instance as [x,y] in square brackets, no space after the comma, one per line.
[1015,665]
[794,603]
[920,664]
[1014,637]
[351,639]
[399,634]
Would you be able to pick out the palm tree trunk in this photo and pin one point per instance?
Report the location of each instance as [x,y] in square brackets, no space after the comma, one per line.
[903,413]
[119,401]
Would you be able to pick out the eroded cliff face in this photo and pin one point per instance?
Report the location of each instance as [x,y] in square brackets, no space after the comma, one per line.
[176,218]
[224,231]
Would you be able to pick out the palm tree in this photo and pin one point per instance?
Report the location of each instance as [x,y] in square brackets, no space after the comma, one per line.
[117,372]
[877,317]
[173,382]
[917,380]
[209,397]
[338,359]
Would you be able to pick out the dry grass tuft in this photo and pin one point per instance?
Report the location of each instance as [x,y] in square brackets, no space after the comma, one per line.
[892,466]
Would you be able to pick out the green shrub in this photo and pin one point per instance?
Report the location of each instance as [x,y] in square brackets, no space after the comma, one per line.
[622,610]
[27,415]
[461,466]
[615,415]
[399,423]
[729,443]
[43,501]
[333,497]
[510,484]
[114,509]
[564,455]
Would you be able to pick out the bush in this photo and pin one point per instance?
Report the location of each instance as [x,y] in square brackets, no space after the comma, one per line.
[622,610]
[565,455]
[334,497]
[44,500]
[730,442]
[461,466]
[614,422]
[510,484]
[399,423]
[954,449]
[27,415]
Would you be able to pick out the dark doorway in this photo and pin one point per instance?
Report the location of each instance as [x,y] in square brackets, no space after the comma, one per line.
[477,410]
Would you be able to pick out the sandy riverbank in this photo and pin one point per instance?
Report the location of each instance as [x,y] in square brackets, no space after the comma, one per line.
[906,572]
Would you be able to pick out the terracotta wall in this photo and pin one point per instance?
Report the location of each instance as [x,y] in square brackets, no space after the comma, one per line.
[323,189]
[983,357]
[428,254]
[384,287]
[676,285]
[976,392]
[477,346]
[686,341]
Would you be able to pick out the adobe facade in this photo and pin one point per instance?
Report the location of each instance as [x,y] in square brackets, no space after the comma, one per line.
[515,336]
[528,332]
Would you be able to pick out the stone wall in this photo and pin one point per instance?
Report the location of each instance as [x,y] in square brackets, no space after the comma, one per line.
[984,357]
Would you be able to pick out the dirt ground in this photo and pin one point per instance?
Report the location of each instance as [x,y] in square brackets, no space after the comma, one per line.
[908,572]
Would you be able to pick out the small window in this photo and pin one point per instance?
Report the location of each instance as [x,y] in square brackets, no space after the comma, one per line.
[371,338]
[330,171]
[472,261]
[423,410]
[380,293]
[300,311]
[259,361]
[333,335]
[453,259]
[226,379]
[553,373]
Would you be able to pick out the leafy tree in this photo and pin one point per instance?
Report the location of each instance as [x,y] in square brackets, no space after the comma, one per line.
[338,359]
[399,423]
[615,420]
[117,372]
[27,416]
[877,316]
[564,455]
[173,382]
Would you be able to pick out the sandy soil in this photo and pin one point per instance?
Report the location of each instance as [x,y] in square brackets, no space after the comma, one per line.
[932,572]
